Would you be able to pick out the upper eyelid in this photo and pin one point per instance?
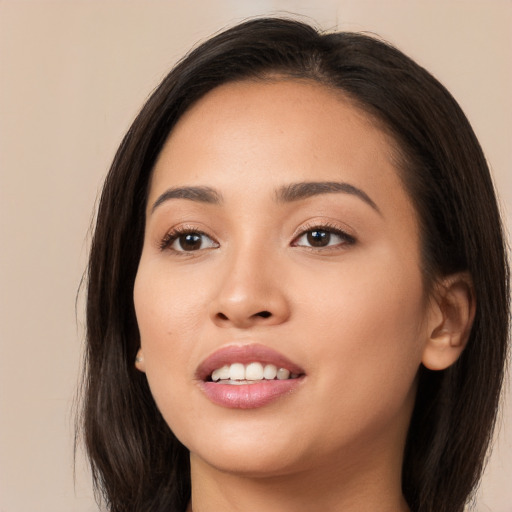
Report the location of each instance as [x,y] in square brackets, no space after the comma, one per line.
[187,228]
[326,225]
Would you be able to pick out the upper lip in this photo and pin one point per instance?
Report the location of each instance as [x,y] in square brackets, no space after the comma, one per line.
[245,354]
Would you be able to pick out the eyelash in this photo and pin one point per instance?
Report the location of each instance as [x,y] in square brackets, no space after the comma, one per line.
[176,233]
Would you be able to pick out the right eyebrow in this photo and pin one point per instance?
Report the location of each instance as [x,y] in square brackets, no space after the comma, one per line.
[200,194]
[303,190]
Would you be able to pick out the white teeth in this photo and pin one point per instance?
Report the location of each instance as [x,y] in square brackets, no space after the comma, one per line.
[283,374]
[221,373]
[254,371]
[236,372]
[269,372]
[224,372]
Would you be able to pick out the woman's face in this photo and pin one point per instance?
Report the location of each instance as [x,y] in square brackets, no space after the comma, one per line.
[279,233]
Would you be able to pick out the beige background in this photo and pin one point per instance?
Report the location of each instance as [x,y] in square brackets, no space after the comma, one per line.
[72,76]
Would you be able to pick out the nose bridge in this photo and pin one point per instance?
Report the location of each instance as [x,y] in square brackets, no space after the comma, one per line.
[250,291]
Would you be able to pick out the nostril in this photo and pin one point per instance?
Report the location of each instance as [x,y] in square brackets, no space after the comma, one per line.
[235,318]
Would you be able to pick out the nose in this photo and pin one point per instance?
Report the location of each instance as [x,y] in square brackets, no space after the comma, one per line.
[251,292]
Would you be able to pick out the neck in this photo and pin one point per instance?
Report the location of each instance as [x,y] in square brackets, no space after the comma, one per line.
[347,489]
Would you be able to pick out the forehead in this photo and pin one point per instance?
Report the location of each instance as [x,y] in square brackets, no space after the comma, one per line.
[270,106]
[271,132]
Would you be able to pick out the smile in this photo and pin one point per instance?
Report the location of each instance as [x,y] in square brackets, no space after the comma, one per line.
[238,373]
[248,376]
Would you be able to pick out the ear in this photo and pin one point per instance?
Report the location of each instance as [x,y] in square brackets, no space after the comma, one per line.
[452,312]
[139,361]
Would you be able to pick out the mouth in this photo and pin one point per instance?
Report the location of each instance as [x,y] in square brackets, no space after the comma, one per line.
[247,376]
[239,373]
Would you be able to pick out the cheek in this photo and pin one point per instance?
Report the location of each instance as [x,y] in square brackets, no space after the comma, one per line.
[369,324]
[166,303]
[166,308]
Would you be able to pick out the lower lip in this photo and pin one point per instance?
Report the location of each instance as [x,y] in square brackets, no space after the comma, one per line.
[249,396]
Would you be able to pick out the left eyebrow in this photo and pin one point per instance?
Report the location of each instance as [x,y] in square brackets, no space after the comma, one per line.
[304,190]
[198,194]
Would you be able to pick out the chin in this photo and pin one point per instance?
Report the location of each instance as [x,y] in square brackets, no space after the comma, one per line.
[253,463]
[259,454]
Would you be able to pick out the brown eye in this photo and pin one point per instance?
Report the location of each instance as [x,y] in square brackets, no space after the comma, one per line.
[187,241]
[318,238]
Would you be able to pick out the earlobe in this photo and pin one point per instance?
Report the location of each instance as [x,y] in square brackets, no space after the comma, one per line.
[139,361]
[453,307]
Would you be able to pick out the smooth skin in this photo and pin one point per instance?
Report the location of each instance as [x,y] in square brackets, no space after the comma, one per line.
[337,274]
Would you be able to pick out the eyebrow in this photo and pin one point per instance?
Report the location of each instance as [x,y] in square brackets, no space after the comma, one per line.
[304,190]
[286,194]
[199,194]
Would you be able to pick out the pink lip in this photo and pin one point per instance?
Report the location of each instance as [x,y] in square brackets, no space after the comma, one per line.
[247,396]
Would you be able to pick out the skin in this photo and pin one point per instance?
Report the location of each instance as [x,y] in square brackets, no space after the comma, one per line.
[353,314]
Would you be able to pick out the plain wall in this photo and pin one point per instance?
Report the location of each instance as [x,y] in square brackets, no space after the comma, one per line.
[72,76]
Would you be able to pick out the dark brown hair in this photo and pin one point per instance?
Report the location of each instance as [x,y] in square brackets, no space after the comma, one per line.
[137,463]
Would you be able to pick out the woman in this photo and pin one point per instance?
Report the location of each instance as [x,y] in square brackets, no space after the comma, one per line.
[298,290]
